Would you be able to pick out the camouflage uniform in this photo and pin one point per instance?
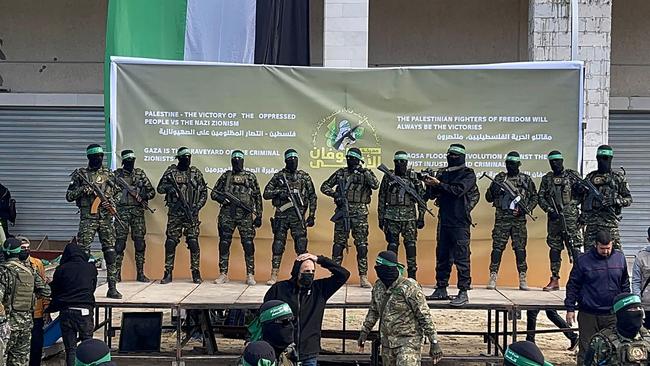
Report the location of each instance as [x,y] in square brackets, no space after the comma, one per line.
[506,224]
[616,193]
[404,320]
[285,215]
[132,214]
[607,347]
[244,186]
[359,186]
[195,192]
[398,213]
[18,306]
[100,222]
[559,188]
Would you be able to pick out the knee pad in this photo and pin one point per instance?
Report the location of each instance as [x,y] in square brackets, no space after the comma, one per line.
[393,247]
[362,251]
[120,246]
[337,250]
[170,245]
[277,247]
[249,247]
[411,250]
[110,256]
[139,245]
[193,245]
[555,255]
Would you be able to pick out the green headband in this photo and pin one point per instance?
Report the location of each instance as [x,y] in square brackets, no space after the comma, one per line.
[255,328]
[605,152]
[291,154]
[512,158]
[12,251]
[401,157]
[237,154]
[260,362]
[354,154]
[128,156]
[94,150]
[456,150]
[385,262]
[620,304]
[520,360]
[555,157]
[183,152]
[104,359]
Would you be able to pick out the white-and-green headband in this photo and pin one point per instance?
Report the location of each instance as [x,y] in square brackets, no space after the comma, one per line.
[94,150]
[401,156]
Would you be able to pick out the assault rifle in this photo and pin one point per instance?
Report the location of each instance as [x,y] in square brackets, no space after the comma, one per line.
[342,211]
[185,206]
[133,193]
[595,193]
[100,198]
[405,187]
[236,201]
[566,238]
[295,202]
[515,198]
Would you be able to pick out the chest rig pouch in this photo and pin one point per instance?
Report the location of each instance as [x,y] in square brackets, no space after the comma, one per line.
[506,202]
[634,353]
[24,290]
[357,191]
[240,186]
[561,191]
[603,184]
[398,196]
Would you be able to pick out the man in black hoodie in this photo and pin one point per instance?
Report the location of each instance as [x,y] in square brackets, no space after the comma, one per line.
[73,288]
[307,298]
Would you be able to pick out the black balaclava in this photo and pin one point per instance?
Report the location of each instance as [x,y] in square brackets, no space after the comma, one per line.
[258,350]
[291,160]
[629,315]
[93,351]
[387,274]
[184,158]
[128,160]
[556,161]
[303,280]
[95,155]
[512,163]
[11,248]
[278,332]
[237,161]
[353,158]
[525,349]
[456,155]
[401,160]
[604,158]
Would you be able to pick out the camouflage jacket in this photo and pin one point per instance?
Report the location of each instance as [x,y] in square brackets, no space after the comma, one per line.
[358,184]
[397,205]
[103,178]
[138,181]
[303,190]
[616,194]
[523,185]
[192,187]
[558,188]
[402,312]
[607,347]
[242,185]
[8,282]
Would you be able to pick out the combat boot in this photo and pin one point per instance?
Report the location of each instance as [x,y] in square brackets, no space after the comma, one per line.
[112,291]
[460,299]
[196,276]
[363,281]
[553,285]
[523,284]
[439,294]
[492,282]
[167,278]
[140,277]
[250,280]
[274,276]
[223,278]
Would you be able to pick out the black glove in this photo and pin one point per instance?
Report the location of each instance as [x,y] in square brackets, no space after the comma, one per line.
[339,200]
[282,196]
[553,216]
[310,221]
[420,223]
[257,222]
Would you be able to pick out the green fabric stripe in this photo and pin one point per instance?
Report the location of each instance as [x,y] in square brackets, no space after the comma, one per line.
[512,158]
[291,155]
[128,156]
[142,28]
[555,157]
[12,251]
[520,360]
[104,359]
[605,152]
[456,149]
[354,155]
[401,157]
[275,312]
[95,150]
[386,262]
[237,154]
[183,152]
[632,299]
[260,362]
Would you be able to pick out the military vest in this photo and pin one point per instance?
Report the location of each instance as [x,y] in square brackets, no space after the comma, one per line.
[356,187]
[102,179]
[628,352]
[608,188]
[187,182]
[517,184]
[23,294]
[561,189]
[297,184]
[241,186]
[397,196]
[125,199]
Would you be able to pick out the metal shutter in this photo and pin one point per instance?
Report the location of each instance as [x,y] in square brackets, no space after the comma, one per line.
[629,136]
[39,148]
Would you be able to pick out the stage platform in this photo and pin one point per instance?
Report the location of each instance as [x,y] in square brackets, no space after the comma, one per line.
[503,307]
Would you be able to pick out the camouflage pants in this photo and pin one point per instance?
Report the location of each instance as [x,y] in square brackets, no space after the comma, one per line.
[4,341]
[177,226]
[104,228]
[401,356]
[226,226]
[281,225]
[359,228]
[17,351]
[556,244]
[409,231]
[504,230]
[133,218]
[590,236]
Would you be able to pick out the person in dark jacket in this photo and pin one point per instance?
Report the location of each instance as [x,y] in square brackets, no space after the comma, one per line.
[307,298]
[7,211]
[597,277]
[455,192]
[73,296]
